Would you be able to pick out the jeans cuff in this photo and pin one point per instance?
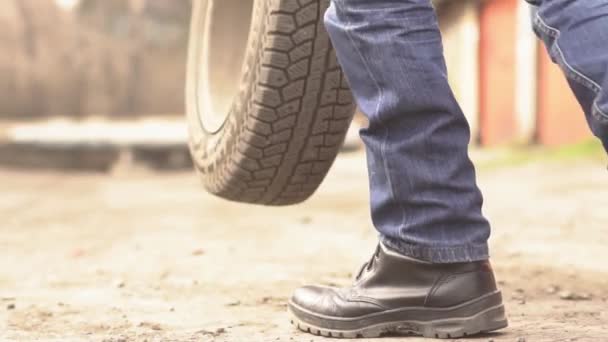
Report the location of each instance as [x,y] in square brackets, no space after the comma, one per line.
[438,255]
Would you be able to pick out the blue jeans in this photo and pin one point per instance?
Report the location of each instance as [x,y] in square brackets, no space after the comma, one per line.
[424,198]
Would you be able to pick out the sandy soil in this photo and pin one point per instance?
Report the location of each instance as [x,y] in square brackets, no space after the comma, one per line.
[142,256]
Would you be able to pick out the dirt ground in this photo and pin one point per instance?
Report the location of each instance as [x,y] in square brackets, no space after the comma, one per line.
[144,256]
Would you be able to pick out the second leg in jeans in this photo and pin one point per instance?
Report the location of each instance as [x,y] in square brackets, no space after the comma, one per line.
[576,36]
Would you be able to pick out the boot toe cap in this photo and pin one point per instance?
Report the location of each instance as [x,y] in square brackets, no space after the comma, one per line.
[311,298]
[328,301]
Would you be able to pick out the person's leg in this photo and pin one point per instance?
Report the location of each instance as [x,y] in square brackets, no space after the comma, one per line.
[424,199]
[430,274]
[575,33]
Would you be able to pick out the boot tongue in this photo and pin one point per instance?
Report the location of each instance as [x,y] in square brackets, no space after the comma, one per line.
[369,264]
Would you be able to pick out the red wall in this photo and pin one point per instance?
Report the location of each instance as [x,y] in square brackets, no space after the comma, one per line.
[497,73]
[560,117]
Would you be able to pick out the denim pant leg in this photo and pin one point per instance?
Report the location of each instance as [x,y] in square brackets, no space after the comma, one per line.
[576,36]
[424,198]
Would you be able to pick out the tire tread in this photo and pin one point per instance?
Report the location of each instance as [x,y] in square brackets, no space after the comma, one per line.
[293,120]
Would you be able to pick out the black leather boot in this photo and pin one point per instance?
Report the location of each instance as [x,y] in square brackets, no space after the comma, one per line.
[396,294]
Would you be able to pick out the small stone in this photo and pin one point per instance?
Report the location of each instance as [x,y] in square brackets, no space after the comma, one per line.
[553,289]
[306,220]
[521,339]
[198,252]
[150,325]
[215,333]
[119,284]
[10,307]
[569,295]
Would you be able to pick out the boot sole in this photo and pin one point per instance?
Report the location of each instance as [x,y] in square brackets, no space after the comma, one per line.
[482,315]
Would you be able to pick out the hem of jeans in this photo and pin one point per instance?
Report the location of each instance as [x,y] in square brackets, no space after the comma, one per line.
[438,254]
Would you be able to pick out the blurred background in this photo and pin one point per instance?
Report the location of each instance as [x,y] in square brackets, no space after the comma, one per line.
[78,58]
[110,60]
[98,245]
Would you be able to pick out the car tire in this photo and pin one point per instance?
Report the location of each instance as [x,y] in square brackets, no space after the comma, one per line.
[268,106]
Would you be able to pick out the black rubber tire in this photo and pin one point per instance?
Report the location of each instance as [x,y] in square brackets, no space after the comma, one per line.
[289,117]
